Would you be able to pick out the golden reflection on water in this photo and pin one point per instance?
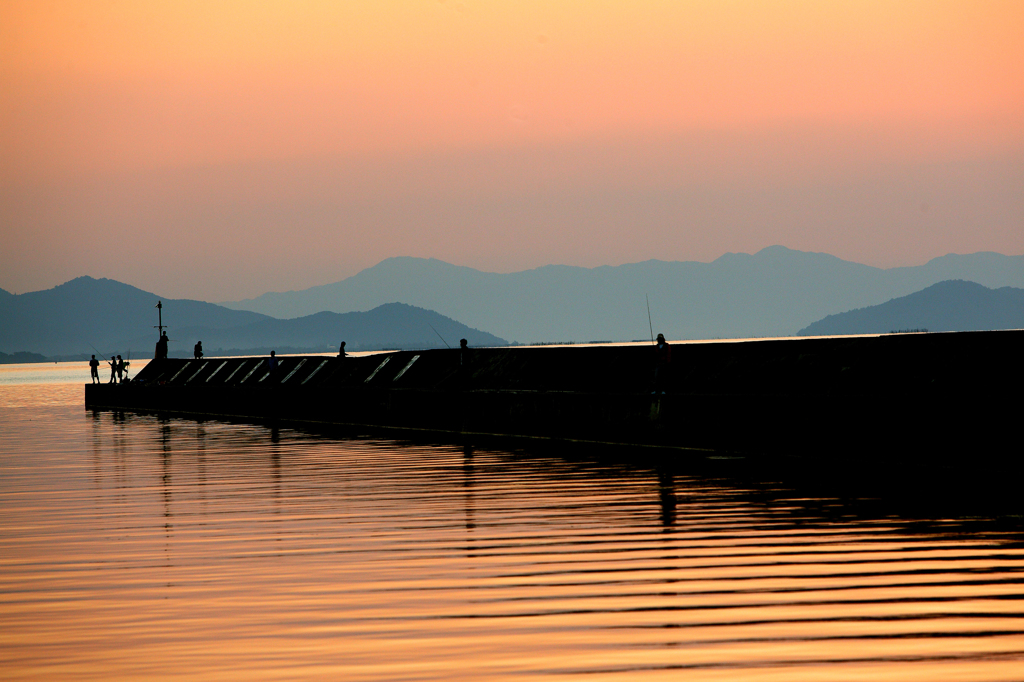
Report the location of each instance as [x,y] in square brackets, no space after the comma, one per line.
[138,548]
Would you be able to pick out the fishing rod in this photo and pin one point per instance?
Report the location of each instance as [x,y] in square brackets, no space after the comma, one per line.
[97,350]
[438,334]
[649,324]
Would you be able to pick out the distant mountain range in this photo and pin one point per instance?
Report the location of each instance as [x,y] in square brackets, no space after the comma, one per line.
[102,316]
[21,357]
[953,305]
[774,292]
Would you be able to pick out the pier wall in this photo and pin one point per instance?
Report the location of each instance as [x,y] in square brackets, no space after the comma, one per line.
[928,396]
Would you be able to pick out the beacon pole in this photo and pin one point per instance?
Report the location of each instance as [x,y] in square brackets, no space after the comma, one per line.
[160,317]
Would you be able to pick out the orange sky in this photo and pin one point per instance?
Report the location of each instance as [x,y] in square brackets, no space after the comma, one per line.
[500,135]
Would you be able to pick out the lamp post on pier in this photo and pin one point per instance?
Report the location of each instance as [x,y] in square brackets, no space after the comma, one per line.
[160,317]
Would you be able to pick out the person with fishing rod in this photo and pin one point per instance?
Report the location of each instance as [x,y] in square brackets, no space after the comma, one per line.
[662,355]
[121,368]
[94,370]
[662,364]
[113,370]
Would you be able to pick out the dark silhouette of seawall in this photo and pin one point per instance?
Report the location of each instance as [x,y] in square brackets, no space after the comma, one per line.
[923,396]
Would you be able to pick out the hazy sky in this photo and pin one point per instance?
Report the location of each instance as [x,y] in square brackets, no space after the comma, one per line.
[217,150]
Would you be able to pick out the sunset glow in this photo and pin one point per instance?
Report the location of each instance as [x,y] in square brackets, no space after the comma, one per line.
[439,125]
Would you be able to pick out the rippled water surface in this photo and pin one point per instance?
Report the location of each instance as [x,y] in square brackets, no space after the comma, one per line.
[138,548]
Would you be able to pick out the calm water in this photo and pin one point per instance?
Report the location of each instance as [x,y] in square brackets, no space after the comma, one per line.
[138,548]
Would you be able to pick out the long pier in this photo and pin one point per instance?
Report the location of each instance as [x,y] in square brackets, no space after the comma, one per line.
[929,397]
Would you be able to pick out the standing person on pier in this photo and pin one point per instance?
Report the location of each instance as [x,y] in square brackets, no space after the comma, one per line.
[161,347]
[120,369]
[113,370]
[197,351]
[94,370]
[662,364]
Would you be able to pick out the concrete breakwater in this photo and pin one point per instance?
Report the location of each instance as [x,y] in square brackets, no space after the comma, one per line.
[922,396]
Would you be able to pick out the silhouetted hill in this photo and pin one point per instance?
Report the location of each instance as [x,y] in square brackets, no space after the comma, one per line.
[20,357]
[771,293]
[393,325]
[102,313]
[953,305]
[102,316]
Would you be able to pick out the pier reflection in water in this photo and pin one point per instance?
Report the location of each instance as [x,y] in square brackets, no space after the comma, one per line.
[139,548]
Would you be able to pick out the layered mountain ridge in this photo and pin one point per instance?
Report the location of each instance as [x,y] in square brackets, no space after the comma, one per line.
[88,316]
[774,292]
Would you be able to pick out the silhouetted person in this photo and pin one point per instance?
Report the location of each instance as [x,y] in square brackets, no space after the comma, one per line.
[341,351]
[197,351]
[113,370]
[94,370]
[463,352]
[662,364]
[119,368]
[272,362]
[161,347]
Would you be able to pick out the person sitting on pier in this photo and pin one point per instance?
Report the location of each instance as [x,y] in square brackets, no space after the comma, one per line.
[272,362]
[341,351]
[463,352]
[94,370]
[113,370]
[662,364]
[197,351]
